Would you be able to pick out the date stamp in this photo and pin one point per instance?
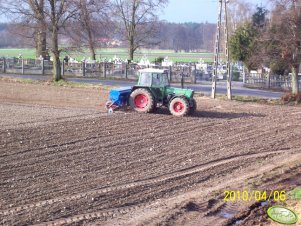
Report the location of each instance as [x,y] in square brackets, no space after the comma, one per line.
[255,195]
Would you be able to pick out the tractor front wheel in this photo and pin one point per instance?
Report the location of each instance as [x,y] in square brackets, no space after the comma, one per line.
[141,100]
[179,106]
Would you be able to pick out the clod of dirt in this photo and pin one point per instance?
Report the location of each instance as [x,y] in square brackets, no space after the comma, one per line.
[211,203]
[191,206]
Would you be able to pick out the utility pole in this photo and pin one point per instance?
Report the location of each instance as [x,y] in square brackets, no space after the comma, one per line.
[216,50]
[229,88]
[222,9]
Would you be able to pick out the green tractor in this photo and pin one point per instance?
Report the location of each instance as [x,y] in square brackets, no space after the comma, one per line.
[153,91]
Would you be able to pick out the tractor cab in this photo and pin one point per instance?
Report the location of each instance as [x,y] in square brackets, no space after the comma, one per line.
[155,81]
[153,78]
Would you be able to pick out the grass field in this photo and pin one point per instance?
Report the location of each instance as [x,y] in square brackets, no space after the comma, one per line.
[110,53]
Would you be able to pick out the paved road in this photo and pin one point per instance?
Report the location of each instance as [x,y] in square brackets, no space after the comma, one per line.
[203,86]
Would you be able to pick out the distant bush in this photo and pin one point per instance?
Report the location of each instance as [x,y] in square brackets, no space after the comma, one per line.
[159,60]
[235,75]
[290,97]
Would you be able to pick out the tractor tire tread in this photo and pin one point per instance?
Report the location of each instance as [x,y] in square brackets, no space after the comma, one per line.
[151,106]
[184,102]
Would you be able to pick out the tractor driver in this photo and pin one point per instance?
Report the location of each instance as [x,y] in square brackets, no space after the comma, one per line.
[156,80]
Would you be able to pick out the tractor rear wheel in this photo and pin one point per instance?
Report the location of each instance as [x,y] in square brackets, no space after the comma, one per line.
[179,106]
[193,106]
[142,100]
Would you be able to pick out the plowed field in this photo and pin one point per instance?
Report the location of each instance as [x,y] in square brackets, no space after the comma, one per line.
[64,161]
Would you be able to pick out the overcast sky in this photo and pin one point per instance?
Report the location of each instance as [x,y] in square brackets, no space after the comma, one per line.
[181,11]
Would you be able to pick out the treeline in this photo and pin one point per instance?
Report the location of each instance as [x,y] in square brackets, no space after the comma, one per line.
[10,39]
[187,37]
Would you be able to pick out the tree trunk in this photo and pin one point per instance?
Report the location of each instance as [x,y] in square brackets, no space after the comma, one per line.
[131,55]
[295,82]
[40,31]
[131,48]
[91,43]
[93,54]
[56,68]
[92,50]
[41,44]
[56,55]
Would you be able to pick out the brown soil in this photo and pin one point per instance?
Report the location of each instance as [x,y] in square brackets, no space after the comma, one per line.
[64,161]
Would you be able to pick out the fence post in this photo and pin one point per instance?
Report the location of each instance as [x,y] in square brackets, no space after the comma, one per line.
[22,63]
[84,68]
[4,65]
[63,68]
[104,69]
[170,74]
[43,66]
[268,81]
[99,65]
[182,80]
[243,75]
[193,75]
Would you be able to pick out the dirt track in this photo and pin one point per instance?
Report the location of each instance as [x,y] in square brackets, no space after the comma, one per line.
[64,161]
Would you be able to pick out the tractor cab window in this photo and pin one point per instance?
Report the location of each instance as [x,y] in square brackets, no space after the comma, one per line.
[165,80]
[156,79]
[145,79]
[153,79]
[160,80]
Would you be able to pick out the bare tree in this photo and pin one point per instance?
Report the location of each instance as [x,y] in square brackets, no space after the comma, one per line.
[91,22]
[37,6]
[58,12]
[44,16]
[29,19]
[240,13]
[139,19]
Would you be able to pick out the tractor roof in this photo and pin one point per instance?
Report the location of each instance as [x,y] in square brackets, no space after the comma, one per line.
[152,70]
